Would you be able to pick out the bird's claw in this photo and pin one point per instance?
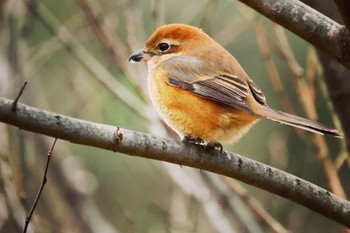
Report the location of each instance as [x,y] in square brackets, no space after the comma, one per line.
[197,141]
[201,142]
[214,145]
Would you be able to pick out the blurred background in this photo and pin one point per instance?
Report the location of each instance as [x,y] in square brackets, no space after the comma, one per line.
[73,54]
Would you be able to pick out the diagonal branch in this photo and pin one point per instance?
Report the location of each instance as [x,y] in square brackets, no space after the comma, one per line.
[309,24]
[87,61]
[112,43]
[147,146]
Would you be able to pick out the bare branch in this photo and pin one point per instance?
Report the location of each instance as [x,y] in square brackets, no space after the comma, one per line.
[309,24]
[87,61]
[254,205]
[112,43]
[147,146]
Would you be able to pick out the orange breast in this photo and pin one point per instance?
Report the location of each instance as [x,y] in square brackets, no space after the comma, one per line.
[194,116]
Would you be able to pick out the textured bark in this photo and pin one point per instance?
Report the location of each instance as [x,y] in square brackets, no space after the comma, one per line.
[314,27]
[147,146]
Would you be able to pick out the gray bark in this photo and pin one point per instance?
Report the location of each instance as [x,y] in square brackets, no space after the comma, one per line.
[147,146]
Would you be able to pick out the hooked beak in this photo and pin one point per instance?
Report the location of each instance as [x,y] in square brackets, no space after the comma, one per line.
[137,56]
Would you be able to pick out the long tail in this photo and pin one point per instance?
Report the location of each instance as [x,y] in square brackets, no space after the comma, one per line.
[297,122]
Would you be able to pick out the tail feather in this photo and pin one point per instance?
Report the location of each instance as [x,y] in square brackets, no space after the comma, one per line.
[298,122]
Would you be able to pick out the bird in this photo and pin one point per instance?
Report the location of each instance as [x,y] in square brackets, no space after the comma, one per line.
[201,91]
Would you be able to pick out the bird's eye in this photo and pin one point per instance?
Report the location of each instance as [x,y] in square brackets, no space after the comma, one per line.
[163,47]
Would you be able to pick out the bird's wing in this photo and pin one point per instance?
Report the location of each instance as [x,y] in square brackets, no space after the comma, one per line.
[189,74]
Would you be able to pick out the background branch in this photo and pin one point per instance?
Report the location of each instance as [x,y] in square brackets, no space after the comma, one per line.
[147,146]
[88,61]
[343,7]
[335,75]
[110,42]
[314,27]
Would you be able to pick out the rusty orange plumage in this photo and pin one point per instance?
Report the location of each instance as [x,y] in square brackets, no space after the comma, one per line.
[202,92]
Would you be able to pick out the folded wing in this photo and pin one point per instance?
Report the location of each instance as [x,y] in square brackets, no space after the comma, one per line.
[189,74]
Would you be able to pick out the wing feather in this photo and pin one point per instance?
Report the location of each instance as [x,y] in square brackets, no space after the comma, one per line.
[189,74]
[257,93]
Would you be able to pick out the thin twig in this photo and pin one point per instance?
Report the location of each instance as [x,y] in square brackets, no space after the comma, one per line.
[234,29]
[192,184]
[254,205]
[343,154]
[308,103]
[305,96]
[134,34]
[29,216]
[205,15]
[87,60]
[270,67]
[341,158]
[272,72]
[242,220]
[14,105]
[158,12]
[112,43]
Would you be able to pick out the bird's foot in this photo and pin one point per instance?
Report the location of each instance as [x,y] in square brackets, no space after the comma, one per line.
[201,142]
[197,141]
[214,145]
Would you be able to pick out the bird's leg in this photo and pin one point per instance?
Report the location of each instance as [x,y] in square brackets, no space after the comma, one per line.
[214,145]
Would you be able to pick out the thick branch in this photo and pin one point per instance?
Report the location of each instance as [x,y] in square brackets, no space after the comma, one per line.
[309,24]
[147,146]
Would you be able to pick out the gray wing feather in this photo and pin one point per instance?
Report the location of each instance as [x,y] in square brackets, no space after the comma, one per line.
[189,74]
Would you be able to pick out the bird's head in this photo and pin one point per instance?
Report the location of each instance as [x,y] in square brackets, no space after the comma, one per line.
[170,40]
